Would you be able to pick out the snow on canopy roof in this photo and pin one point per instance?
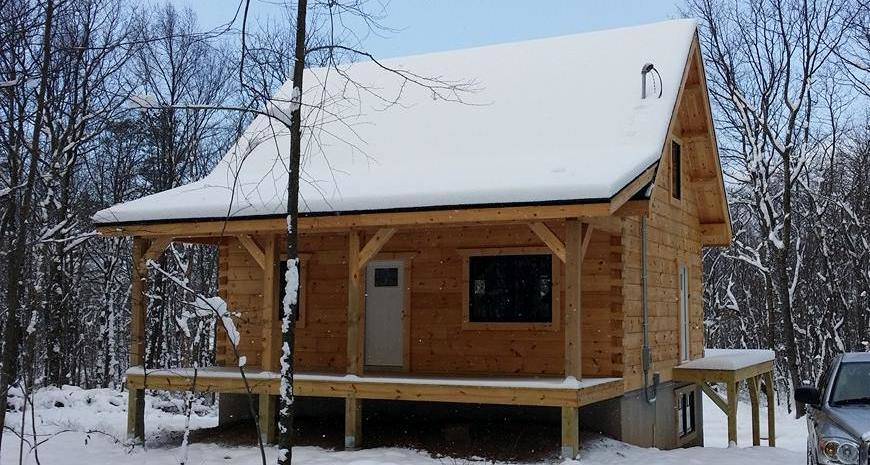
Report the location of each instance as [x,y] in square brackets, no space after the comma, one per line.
[554,120]
[729,359]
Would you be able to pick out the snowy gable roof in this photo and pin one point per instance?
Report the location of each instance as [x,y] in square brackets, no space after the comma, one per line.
[553,121]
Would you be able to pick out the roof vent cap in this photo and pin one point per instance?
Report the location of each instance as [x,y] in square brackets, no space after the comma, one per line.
[647,68]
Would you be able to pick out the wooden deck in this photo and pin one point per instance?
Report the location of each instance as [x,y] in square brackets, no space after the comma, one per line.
[545,392]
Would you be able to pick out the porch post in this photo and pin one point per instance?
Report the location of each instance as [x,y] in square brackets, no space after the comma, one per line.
[354,317]
[732,412]
[573,358]
[752,383]
[573,272]
[771,409]
[271,334]
[136,397]
[352,410]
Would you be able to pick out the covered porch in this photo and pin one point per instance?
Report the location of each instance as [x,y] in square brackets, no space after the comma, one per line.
[582,363]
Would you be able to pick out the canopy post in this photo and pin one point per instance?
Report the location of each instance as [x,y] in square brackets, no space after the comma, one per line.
[136,397]
[573,294]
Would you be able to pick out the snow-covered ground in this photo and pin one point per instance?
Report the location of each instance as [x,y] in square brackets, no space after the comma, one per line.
[86,427]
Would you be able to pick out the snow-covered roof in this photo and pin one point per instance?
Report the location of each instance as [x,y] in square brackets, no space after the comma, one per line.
[729,359]
[557,120]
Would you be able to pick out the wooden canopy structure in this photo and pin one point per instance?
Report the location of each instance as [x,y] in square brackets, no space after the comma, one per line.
[756,366]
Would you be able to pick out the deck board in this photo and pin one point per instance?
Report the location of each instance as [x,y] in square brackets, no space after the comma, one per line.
[555,392]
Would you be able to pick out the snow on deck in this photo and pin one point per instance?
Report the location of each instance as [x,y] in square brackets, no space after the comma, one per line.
[206,372]
[550,120]
[729,359]
[496,382]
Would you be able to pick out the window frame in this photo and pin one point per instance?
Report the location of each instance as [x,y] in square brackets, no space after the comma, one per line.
[674,173]
[555,291]
[690,393]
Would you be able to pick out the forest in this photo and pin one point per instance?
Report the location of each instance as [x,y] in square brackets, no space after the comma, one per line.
[788,83]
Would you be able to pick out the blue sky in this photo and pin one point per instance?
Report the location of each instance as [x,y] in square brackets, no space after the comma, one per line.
[429,25]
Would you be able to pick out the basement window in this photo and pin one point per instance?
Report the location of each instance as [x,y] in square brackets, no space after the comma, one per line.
[510,289]
[676,170]
[685,413]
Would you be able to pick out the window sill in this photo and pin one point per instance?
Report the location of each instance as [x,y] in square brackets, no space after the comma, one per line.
[480,326]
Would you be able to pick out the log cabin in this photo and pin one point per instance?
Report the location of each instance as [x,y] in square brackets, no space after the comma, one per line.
[536,241]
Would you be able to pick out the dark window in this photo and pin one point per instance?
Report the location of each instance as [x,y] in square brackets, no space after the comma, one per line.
[676,170]
[686,414]
[386,277]
[281,291]
[510,289]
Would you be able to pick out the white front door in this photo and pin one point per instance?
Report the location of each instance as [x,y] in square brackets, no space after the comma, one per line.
[385,301]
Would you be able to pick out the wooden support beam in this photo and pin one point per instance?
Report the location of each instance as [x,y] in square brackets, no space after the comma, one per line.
[271,326]
[633,208]
[752,384]
[268,409]
[732,413]
[627,192]
[155,249]
[587,238]
[354,304]
[352,423]
[715,234]
[573,294]
[715,397]
[549,238]
[771,409]
[138,282]
[344,222]
[373,246]
[258,254]
[570,432]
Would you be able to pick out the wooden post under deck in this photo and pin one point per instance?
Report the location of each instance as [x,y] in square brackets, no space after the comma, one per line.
[573,359]
[136,397]
[570,432]
[752,383]
[771,409]
[732,412]
[352,423]
[271,335]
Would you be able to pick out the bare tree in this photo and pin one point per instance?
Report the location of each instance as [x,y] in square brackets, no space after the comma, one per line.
[777,90]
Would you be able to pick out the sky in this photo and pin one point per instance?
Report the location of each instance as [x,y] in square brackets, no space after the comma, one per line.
[422,26]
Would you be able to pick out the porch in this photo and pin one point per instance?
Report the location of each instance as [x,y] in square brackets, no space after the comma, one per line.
[441,352]
[566,393]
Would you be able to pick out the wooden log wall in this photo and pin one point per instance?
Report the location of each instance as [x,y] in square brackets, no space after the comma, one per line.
[438,343]
[674,237]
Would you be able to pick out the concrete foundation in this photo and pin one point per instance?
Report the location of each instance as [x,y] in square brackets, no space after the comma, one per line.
[632,419]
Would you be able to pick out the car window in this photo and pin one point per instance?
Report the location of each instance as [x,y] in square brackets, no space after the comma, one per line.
[825,379]
[852,384]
